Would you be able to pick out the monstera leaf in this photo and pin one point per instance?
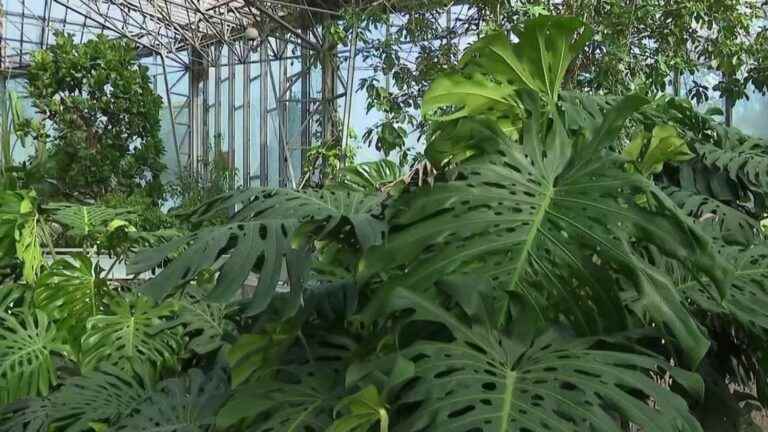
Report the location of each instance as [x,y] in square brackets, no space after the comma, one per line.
[532,214]
[131,335]
[28,342]
[485,381]
[299,399]
[204,323]
[370,176]
[493,69]
[747,299]
[25,415]
[82,222]
[188,404]
[102,395]
[743,160]
[259,238]
[70,293]
[734,226]
[254,353]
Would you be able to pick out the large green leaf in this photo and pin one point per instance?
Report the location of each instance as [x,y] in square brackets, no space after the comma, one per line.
[187,404]
[27,344]
[70,293]
[734,226]
[25,415]
[204,323]
[362,411]
[300,399]
[131,335]
[19,222]
[102,395]
[493,69]
[370,176]
[485,381]
[747,299]
[83,222]
[259,238]
[256,353]
[649,151]
[534,213]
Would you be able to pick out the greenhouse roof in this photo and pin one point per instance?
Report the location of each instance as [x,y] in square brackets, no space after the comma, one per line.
[168,27]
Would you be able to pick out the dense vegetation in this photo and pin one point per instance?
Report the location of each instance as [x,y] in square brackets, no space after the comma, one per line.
[100,119]
[575,262]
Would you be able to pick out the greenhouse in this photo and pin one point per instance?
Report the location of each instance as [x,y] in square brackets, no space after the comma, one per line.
[383,215]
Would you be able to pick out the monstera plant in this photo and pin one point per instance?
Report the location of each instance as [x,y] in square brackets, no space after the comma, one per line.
[546,280]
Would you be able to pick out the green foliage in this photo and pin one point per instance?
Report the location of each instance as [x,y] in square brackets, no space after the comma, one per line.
[131,336]
[370,176]
[491,382]
[205,324]
[545,279]
[252,353]
[70,293]
[564,195]
[193,187]
[734,227]
[187,403]
[86,224]
[25,415]
[19,231]
[649,152]
[27,344]
[364,409]
[102,395]
[298,399]
[326,161]
[494,69]
[103,115]
[260,237]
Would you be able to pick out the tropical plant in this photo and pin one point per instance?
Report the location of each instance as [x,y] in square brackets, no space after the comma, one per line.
[21,232]
[26,355]
[102,117]
[546,280]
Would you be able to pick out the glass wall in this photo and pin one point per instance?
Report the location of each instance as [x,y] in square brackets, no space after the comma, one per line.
[252,113]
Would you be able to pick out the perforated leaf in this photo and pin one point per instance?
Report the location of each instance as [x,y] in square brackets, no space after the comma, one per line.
[493,69]
[258,238]
[70,293]
[530,214]
[131,335]
[28,341]
[187,404]
[484,381]
[747,299]
[25,415]
[300,399]
[102,395]
[204,323]
[734,226]
[745,160]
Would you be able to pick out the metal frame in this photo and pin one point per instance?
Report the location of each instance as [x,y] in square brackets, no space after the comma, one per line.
[192,35]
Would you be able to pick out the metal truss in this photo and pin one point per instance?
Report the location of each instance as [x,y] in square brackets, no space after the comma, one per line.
[202,26]
[204,43]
